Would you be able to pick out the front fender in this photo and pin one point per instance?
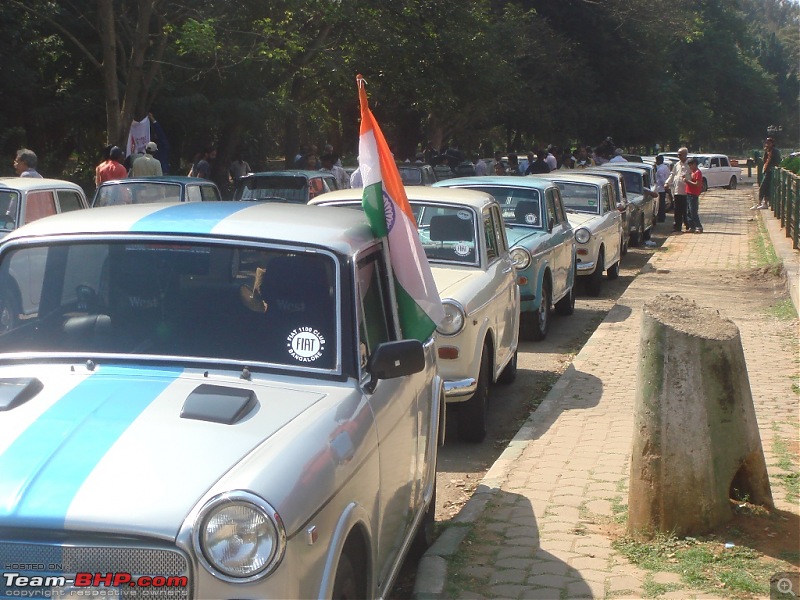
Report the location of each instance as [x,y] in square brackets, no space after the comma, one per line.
[354,515]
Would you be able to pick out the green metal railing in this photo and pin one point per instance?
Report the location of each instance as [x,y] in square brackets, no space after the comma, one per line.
[784,200]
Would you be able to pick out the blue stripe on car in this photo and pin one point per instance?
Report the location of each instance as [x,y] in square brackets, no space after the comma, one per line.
[43,469]
[188,217]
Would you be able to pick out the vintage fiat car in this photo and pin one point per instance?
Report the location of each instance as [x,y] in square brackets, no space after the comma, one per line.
[163,188]
[718,171]
[628,210]
[296,187]
[462,234]
[27,199]
[542,245]
[212,396]
[642,194]
[597,222]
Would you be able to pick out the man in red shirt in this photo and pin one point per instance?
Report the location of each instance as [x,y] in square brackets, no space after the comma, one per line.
[111,168]
[694,187]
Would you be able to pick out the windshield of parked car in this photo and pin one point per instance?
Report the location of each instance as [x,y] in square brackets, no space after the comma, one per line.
[166,297]
[136,193]
[520,206]
[447,233]
[9,201]
[281,188]
[580,197]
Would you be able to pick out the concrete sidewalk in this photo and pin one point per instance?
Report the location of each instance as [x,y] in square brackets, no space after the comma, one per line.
[540,524]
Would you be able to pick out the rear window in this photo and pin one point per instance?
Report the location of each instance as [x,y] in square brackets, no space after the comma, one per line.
[278,187]
[136,193]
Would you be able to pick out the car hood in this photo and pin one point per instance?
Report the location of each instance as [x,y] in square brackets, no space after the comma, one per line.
[105,448]
[453,282]
[581,219]
[525,236]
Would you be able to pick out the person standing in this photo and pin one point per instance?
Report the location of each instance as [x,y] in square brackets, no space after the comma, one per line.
[772,158]
[539,164]
[662,173]
[618,156]
[111,168]
[329,165]
[694,187]
[25,163]
[677,183]
[238,169]
[202,168]
[480,166]
[583,160]
[147,165]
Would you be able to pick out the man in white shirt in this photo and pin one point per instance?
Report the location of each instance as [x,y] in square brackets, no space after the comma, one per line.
[480,166]
[146,165]
[677,184]
[618,156]
[662,173]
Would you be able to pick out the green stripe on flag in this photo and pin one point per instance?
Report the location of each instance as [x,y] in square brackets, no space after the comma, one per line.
[414,322]
[372,201]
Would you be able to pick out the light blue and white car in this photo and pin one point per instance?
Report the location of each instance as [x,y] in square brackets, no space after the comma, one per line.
[542,245]
[214,396]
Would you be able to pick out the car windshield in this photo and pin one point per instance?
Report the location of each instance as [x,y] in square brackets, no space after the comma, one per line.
[165,297]
[447,233]
[137,193]
[580,197]
[520,206]
[410,175]
[281,188]
[9,201]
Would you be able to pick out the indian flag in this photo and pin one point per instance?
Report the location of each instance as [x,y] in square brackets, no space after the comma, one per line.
[389,214]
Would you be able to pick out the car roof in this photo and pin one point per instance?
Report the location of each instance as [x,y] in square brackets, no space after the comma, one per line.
[576,177]
[496,180]
[343,231]
[36,183]
[418,193]
[307,173]
[623,167]
[161,179]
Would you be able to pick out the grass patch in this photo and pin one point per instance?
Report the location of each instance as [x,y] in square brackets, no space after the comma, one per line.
[784,310]
[762,250]
[702,564]
[790,481]
[619,509]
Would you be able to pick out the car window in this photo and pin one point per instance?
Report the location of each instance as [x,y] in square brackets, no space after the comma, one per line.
[9,205]
[373,315]
[552,215]
[193,193]
[499,234]
[559,205]
[411,176]
[209,193]
[492,248]
[204,302]
[136,193]
[605,194]
[69,200]
[715,162]
[633,182]
[447,233]
[580,197]
[282,188]
[723,161]
[520,206]
[39,204]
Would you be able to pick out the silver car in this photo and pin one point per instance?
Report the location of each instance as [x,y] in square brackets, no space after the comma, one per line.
[211,400]
[27,199]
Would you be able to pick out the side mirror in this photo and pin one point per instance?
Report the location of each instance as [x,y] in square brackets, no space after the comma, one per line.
[395,359]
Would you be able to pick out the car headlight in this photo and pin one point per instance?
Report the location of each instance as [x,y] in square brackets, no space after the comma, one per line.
[582,235]
[454,318]
[239,537]
[520,257]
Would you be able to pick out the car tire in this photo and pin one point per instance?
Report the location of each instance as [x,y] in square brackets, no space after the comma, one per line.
[566,306]
[705,185]
[647,232]
[472,413]
[613,271]
[9,312]
[345,585]
[541,318]
[594,282]
[509,373]
[732,185]
[623,244]
[636,237]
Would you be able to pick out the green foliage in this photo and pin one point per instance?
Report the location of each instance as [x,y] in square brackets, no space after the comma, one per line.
[792,163]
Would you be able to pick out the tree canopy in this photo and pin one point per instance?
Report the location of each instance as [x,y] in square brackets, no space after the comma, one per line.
[264,78]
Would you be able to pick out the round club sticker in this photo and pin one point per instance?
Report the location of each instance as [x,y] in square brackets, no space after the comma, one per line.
[464,215]
[530,219]
[305,344]
[461,249]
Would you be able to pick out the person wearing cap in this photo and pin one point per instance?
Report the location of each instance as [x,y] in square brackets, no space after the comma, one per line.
[147,165]
[111,168]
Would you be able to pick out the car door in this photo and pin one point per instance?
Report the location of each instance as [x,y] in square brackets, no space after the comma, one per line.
[612,226]
[564,241]
[556,225]
[400,419]
[503,307]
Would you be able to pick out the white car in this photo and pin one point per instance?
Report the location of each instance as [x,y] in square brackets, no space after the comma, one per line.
[717,171]
[463,235]
[589,201]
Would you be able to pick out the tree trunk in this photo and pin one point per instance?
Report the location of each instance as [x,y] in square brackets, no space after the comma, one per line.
[696,440]
[108,41]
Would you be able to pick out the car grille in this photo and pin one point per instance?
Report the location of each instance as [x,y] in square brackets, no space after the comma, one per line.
[44,559]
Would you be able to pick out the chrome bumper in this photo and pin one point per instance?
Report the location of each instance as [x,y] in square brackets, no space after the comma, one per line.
[459,390]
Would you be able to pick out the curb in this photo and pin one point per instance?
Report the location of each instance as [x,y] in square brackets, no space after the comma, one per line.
[787,255]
